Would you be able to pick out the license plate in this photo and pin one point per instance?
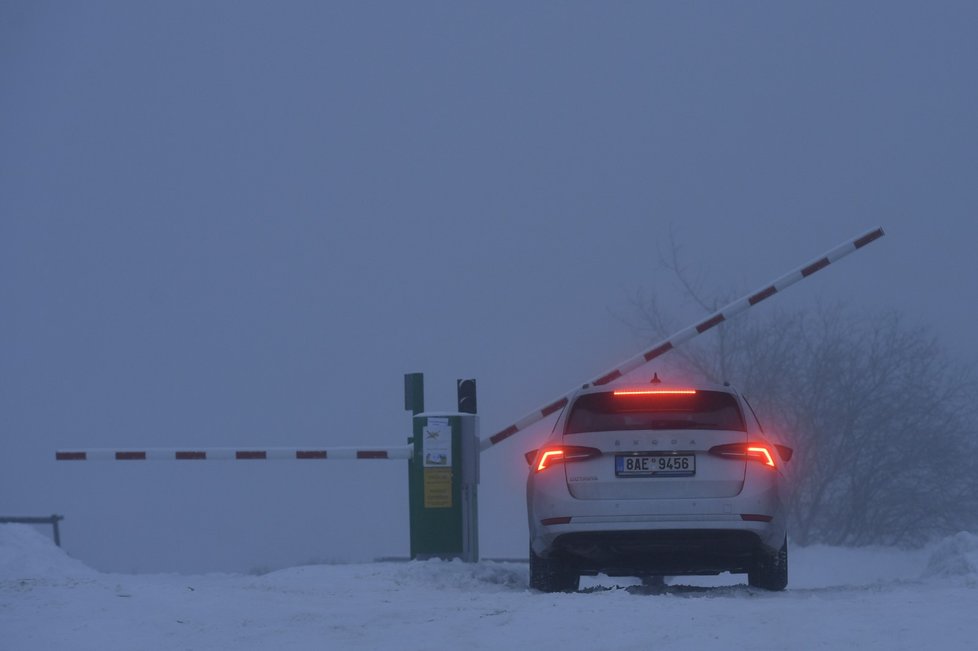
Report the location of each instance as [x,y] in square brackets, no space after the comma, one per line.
[650,465]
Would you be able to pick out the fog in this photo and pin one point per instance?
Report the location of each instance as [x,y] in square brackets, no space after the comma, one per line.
[234,224]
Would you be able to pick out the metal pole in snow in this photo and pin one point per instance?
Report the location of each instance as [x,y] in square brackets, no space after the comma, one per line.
[684,335]
[57,532]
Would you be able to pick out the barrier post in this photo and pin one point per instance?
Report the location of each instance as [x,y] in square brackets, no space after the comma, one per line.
[443,476]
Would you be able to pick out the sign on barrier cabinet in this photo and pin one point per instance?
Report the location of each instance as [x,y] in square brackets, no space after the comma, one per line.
[437,488]
[436,455]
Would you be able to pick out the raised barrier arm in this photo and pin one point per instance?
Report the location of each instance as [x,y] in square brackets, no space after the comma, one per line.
[684,335]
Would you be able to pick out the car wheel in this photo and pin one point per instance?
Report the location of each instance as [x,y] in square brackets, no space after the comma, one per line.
[550,575]
[770,569]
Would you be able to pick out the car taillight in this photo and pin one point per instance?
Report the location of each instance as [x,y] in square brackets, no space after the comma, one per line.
[759,452]
[548,457]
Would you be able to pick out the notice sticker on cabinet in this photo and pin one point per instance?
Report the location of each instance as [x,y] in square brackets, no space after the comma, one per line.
[437,443]
[438,488]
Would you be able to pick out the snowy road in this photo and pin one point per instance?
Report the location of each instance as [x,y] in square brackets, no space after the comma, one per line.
[837,599]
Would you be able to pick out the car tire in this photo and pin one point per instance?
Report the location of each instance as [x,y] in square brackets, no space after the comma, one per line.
[770,569]
[550,575]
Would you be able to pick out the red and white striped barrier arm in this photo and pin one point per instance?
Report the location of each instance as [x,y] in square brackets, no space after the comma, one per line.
[233,454]
[681,337]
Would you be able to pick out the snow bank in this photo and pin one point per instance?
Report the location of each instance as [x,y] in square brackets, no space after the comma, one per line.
[823,566]
[486,575]
[954,557]
[27,554]
[837,599]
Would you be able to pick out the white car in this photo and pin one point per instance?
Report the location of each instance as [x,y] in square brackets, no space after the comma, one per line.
[657,480]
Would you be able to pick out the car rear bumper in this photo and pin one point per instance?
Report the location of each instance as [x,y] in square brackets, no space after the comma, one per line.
[558,522]
[657,552]
[700,544]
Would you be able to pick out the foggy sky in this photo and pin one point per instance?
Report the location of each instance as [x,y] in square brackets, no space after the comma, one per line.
[240,224]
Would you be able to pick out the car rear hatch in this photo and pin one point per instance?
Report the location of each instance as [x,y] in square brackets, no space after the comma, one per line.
[654,443]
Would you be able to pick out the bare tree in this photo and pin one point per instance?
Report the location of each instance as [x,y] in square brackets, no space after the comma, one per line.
[881,417]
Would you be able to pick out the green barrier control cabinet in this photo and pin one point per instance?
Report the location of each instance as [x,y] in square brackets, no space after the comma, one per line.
[443,476]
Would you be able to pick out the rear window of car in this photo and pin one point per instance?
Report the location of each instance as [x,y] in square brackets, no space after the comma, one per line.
[606,412]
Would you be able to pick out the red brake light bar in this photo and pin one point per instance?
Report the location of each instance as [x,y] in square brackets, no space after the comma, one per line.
[655,392]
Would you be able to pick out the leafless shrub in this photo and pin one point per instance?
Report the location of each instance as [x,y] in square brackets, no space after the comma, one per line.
[881,417]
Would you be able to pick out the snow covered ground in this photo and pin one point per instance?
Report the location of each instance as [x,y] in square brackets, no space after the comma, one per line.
[837,599]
